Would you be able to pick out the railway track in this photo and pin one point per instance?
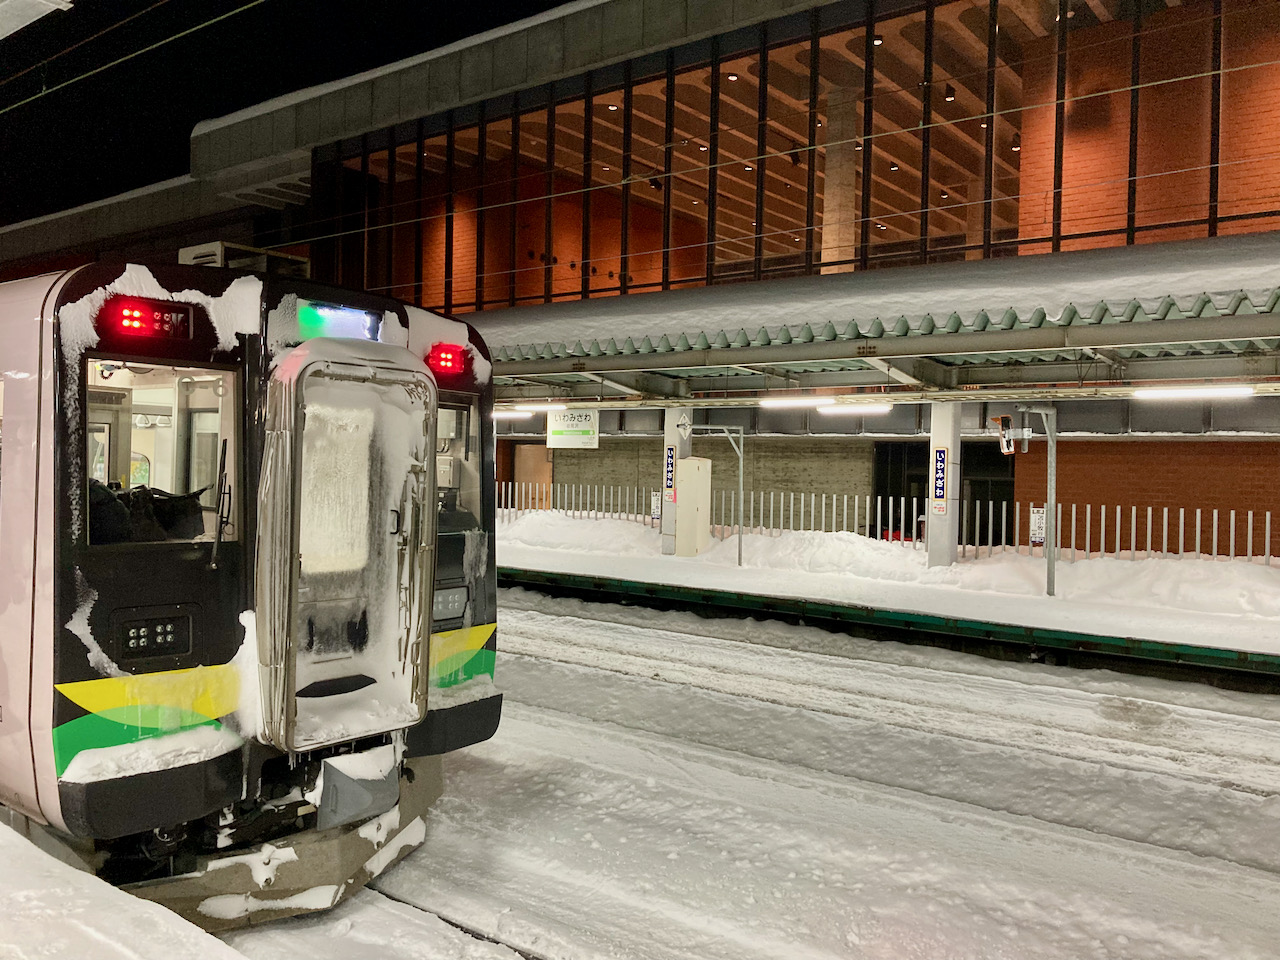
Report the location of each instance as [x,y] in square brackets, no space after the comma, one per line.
[1226,668]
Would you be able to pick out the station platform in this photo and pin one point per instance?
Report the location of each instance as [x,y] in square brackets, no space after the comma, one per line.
[1216,616]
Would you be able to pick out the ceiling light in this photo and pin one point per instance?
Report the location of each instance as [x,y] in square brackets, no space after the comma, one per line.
[858,145]
[857,409]
[512,414]
[1016,146]
[893,167]
[984,124]
[747,166]
[703,149]
[1206,392]
[881,226]
[877,40]
[604,168]
[541,407]
[613,106]
[949,94]
[695,203]
[780,403]
[733,76]
[945,195]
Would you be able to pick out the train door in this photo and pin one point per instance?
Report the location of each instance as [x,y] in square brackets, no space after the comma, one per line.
[347,528]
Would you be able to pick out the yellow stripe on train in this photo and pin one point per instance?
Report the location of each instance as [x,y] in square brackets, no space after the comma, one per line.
[451,643]
[212,692]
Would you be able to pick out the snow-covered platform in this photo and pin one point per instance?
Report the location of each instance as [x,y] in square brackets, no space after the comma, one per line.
[1221,614]
[50,909]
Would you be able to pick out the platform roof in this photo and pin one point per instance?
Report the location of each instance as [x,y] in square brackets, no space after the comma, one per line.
[1092,323]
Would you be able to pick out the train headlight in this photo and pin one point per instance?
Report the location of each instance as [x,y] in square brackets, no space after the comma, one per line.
[449,604]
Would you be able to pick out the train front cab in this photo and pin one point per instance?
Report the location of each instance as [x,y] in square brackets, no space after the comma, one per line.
[260,602]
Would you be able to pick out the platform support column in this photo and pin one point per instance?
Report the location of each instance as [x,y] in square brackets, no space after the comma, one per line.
[943,524]
[676,432]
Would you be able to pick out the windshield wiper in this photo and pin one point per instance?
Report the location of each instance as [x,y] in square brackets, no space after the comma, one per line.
[222,505]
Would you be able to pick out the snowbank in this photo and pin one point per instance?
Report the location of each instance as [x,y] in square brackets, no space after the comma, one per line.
[50,909]
[1226,605]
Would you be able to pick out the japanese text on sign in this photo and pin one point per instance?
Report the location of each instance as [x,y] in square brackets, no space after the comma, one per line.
[939,498]
[574,429]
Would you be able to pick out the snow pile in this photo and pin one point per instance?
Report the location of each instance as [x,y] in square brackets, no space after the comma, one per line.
[50,909]
[1230,605]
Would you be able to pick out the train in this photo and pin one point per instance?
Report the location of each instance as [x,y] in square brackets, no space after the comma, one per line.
[247,582]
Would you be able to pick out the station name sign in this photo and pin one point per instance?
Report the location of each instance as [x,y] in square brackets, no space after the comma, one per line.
[938,500]
[573,429]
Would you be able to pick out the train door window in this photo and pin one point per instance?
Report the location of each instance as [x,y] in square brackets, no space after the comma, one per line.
[99,444]
[154,436]
[458,466]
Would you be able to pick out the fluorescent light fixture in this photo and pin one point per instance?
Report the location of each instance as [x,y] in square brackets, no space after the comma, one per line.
[1207,392]
[856,409]
[512,414]
[778,403]
[541,407]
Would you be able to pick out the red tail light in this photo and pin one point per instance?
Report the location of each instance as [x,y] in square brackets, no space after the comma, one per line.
[448,360]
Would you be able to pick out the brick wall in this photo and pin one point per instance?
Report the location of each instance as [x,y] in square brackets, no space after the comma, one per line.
[1206,474]
[1174,116]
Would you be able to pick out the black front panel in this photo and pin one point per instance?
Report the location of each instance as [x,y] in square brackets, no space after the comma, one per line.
[143,565]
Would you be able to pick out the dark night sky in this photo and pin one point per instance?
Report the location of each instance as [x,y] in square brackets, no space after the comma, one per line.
[129,125]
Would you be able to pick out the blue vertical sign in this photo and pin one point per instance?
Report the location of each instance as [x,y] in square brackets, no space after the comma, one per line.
[939,480]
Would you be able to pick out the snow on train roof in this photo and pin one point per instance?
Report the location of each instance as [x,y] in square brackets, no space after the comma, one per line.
[1200,278]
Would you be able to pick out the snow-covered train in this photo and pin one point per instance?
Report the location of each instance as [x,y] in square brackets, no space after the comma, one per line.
[247,585]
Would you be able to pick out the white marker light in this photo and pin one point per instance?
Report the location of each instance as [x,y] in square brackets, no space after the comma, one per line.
[779,403]
[1208,392]
[541,407]
[512,414]
[857,409]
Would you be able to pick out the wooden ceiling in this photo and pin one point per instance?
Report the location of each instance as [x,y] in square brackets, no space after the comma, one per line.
[957,134]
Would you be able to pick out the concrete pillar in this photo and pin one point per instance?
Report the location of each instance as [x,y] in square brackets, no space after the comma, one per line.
[842,178]
[944,483]
[676,446]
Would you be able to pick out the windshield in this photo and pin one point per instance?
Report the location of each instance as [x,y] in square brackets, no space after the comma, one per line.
[154,438]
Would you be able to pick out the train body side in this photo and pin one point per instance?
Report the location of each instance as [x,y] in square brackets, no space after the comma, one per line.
[26,546]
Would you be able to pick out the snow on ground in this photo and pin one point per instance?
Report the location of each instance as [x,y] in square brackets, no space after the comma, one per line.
[661,790]
[1231,605]
[658,793]
[51,909]
[368,926]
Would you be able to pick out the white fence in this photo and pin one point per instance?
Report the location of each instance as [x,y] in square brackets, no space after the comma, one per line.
[987,527]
